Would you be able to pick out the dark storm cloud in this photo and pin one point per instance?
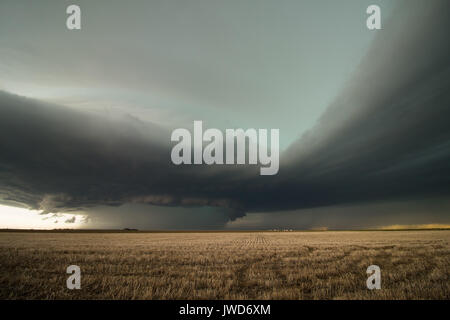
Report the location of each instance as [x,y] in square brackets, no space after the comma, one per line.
[149,217]
[386,136]
[56,159]
[420,212]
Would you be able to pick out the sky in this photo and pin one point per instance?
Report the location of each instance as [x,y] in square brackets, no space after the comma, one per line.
[86,115]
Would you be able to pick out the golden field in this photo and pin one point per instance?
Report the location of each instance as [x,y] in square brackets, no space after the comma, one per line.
[226,265]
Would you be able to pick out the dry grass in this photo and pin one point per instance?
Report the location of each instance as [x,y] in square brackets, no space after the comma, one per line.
[266,265]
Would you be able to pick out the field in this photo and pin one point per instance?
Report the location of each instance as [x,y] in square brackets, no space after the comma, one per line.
[234,265]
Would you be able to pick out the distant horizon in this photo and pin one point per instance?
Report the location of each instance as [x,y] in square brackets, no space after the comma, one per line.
[131,230]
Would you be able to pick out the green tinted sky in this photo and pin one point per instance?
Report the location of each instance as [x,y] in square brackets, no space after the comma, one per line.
[261,64]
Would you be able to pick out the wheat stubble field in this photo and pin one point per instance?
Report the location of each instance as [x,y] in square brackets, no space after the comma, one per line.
[235,265]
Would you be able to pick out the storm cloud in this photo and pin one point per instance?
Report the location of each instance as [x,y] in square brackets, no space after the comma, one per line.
[57,159]
[386,136]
